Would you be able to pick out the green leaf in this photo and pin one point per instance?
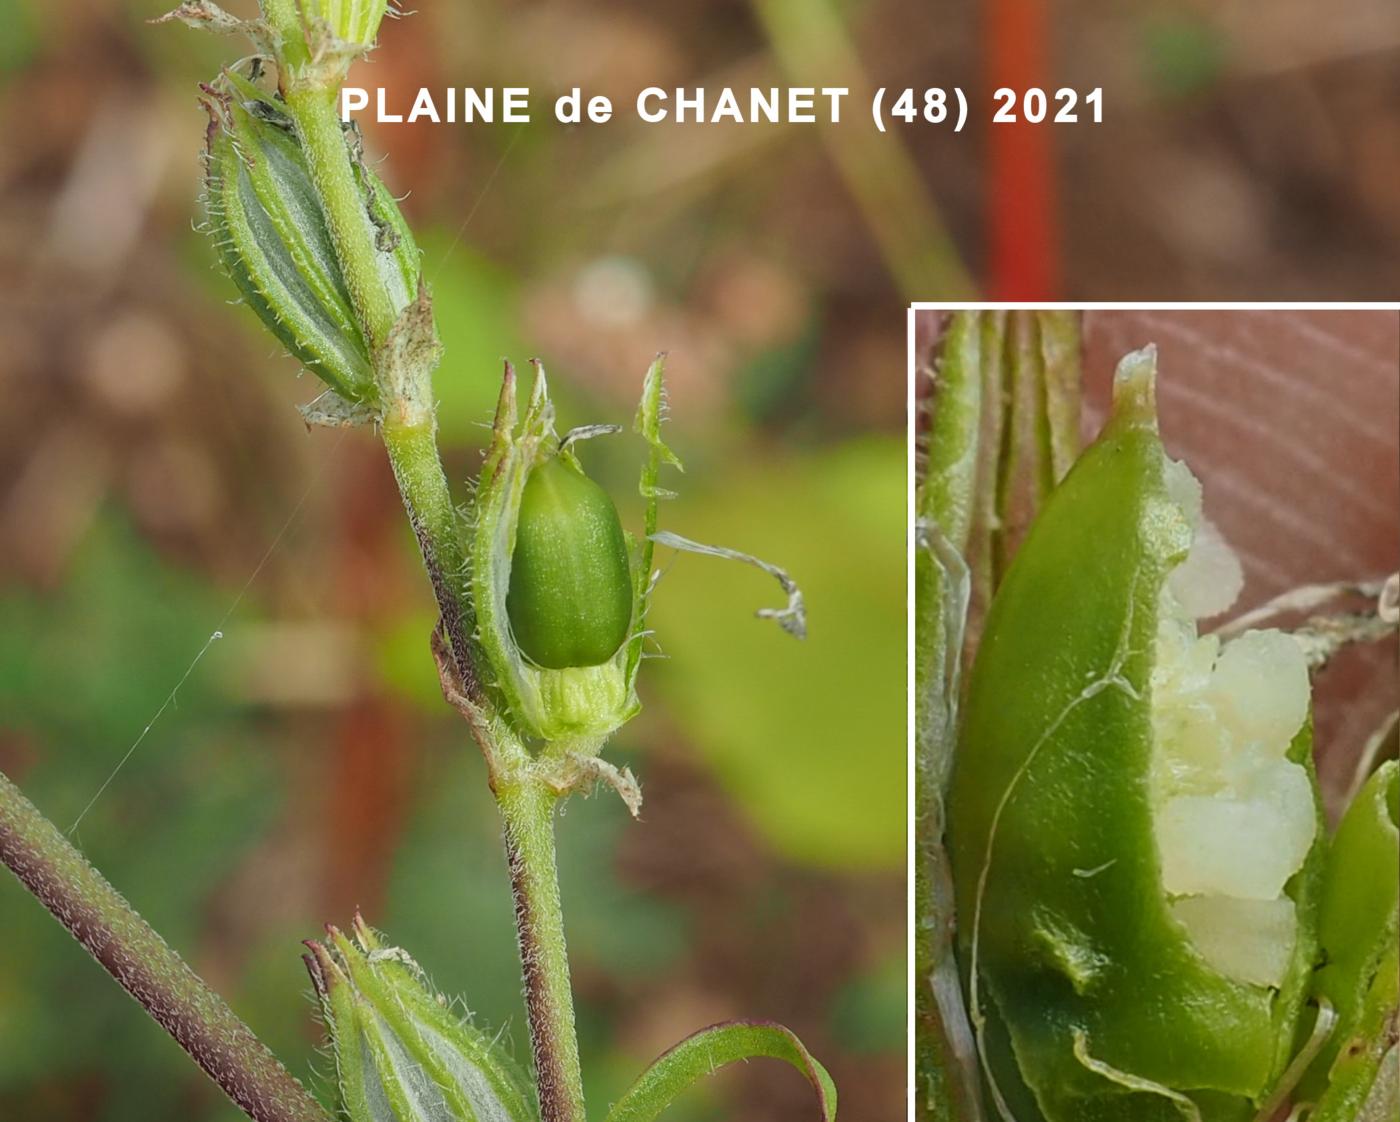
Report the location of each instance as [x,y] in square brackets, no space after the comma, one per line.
[710,1049]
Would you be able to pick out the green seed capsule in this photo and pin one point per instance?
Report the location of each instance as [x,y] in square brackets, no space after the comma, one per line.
[266,221]
[1133,823]
[400,1051]
[570,598]
[1360,932]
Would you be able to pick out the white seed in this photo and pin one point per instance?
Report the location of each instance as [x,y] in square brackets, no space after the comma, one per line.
[1248,940]
[1210,579]
[1260,688]
[1244,845]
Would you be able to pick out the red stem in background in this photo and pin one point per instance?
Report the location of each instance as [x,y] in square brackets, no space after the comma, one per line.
[1022,219]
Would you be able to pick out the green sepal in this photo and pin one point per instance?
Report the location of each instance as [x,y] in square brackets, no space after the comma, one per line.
[706,1051]
[1089,1001]
[399,259]
[651,413]
[949,498]
[1358,923]
[574,708]
[351,21]
[1304,888]
[401,1054]
[315,41]
[267,224]
[271,235]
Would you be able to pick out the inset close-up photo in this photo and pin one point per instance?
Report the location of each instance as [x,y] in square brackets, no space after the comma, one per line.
[1156,606]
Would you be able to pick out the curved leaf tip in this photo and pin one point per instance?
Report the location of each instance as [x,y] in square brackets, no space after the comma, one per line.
[704,1052]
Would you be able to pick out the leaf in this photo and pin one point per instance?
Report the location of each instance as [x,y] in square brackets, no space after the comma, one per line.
[709,1049]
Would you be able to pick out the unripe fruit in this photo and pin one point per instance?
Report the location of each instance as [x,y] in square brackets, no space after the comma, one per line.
[570,597]
[265,218]
[1133,820]
[400,1050]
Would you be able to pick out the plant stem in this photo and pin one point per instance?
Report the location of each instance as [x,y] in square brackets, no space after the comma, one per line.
[526,802]
[146,967]
[412,447]
[527,805]
[409,430]
[409,425]
[312,107]
[284,17]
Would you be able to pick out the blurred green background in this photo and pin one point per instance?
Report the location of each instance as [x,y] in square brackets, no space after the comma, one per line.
[156,484]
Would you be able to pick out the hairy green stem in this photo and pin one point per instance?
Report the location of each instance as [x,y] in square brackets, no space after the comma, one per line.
[409,425]
[312,107]
[284,18]
[413,453]
[146,967]
[409,430]
[527,805]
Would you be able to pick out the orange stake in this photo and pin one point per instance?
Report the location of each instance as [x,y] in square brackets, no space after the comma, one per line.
[1022,218]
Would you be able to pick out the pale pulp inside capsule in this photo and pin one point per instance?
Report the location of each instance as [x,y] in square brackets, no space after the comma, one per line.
[1233,816]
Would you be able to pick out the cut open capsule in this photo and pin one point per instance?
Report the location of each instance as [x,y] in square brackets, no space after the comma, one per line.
[1133,822]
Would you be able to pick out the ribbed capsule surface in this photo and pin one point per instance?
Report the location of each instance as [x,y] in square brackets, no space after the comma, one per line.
[266,220]
[401,1054]
[570,596]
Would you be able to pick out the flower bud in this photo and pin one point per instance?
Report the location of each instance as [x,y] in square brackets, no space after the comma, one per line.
[353,22]
[315,41]
[401,1054]
[570,598]
[266,220]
